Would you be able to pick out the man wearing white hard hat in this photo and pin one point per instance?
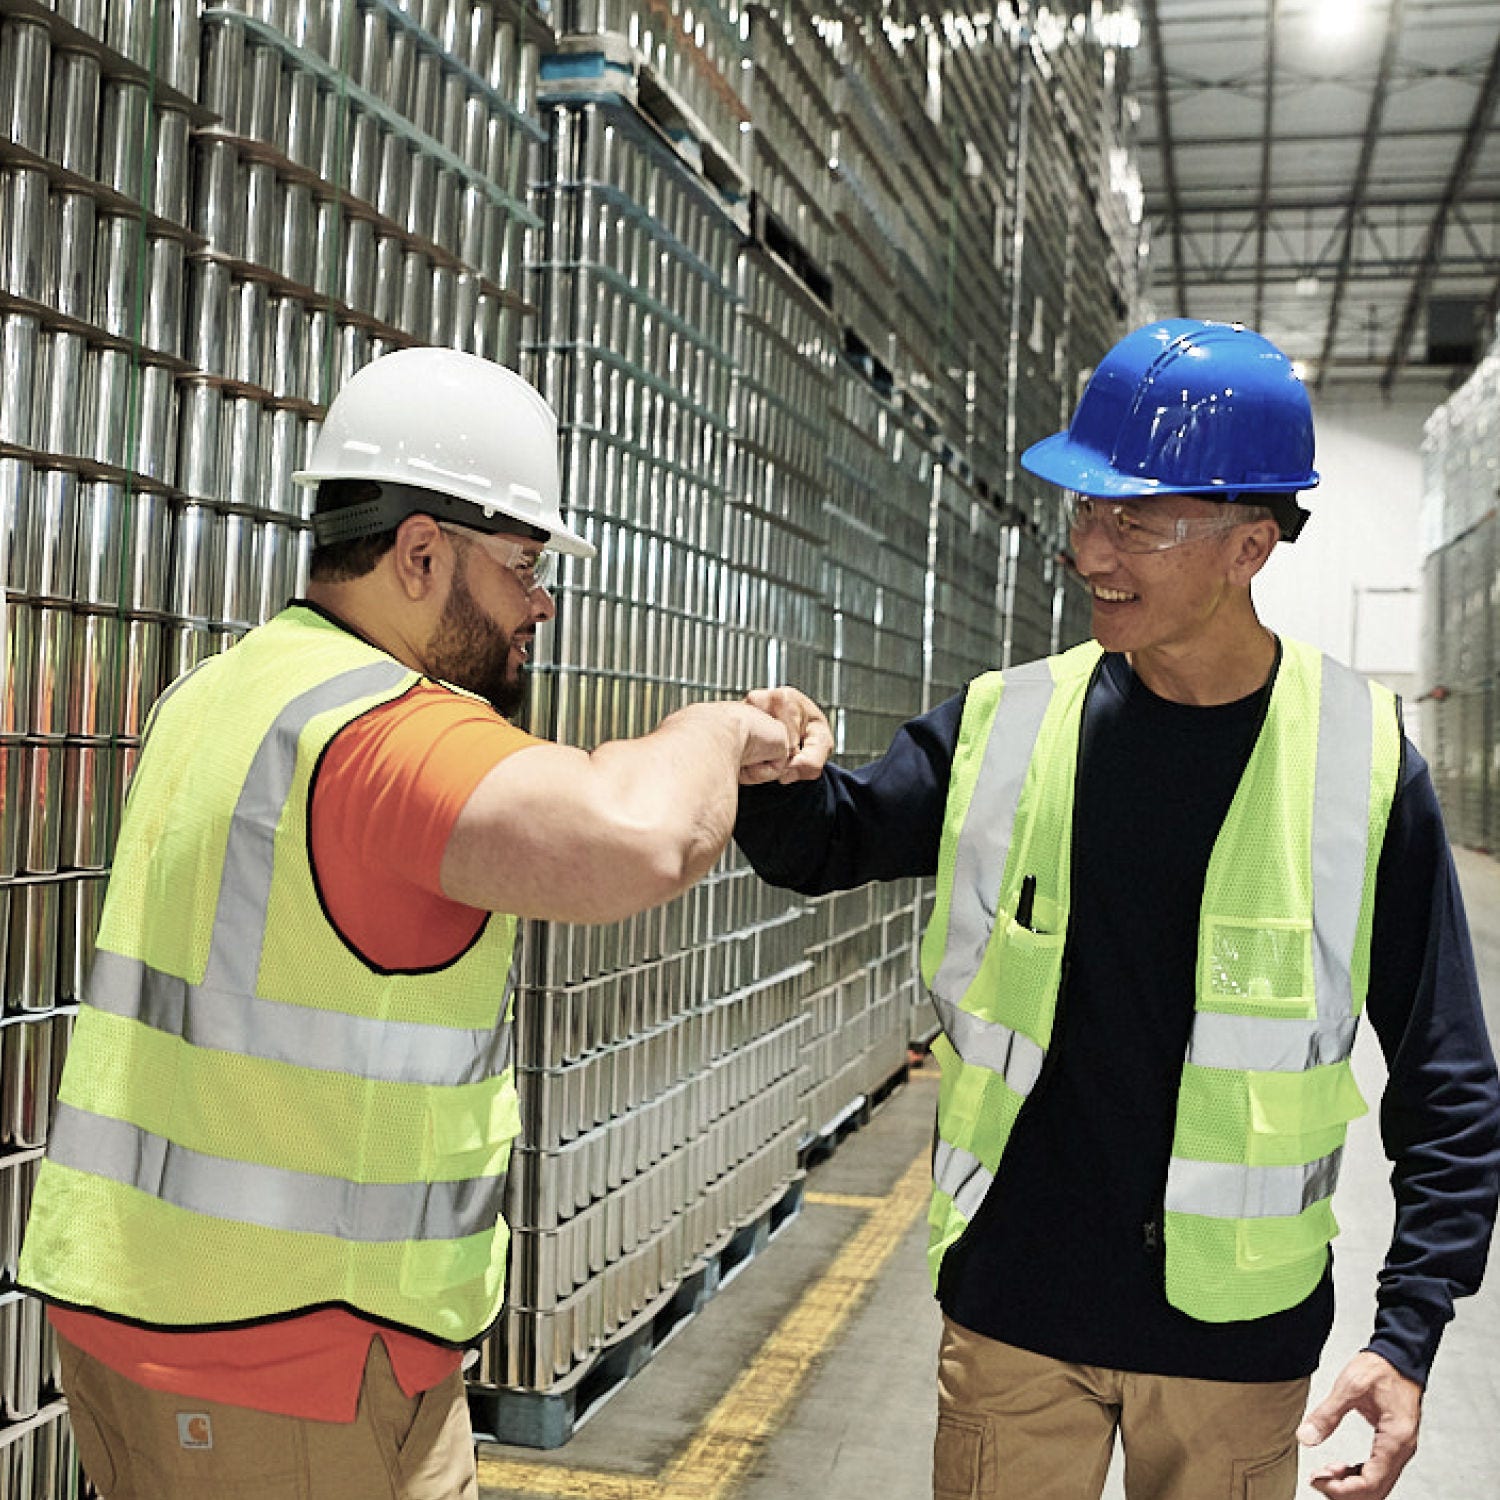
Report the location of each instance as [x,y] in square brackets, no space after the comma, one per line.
[269,1220]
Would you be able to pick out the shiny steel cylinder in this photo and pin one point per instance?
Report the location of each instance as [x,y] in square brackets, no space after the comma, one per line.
[209,283]
[12,826]
[162,329]
[87,835]
[198,440]
[73,122]
[117,254]
[242,450]
[99,506]
[156,424]
[143,675]
[41,806]
[217,196]
[177,44]
[23,232]
[16,707]
[81,902]
[294,255]
[52,564]
[171,184]
[93,690]
[124,113]
[51,650]
[70,253]
[248,304]
[285,443]
[127,28]
[260,94]
[58,426]
[17,526]
[25,57]
[300,117]
[193,585]
[261,214]
[28,1102]
[108,409]
[223,68]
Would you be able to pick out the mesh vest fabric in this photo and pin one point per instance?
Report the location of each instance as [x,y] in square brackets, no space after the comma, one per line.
[252,1121]
[1283,962]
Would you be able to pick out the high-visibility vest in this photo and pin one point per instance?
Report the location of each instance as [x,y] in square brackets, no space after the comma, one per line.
[1282,969]
[253,1120]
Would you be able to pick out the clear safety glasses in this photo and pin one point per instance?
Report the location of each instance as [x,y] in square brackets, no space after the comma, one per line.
[1132,527]
[533,568]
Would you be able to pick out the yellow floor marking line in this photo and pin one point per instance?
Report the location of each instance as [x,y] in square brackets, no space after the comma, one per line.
[717,1458]
[868,1202]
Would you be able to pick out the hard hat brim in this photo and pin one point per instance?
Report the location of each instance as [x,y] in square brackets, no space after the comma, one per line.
[1071,465]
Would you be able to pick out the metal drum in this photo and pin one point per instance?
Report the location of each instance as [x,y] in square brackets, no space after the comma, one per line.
[124,114]
[70,253]
[13,820]
[88,828]
[58,426]
[25,57]
[82,905]
[31,972]
[193,582]
[145,665]
[40,805]
[145,531]
[24,204]
[107,409]
[73,123]
[155,453]
[199,426]
[19,337]
[171,184]
[94,688]
[17,524]
[242,450]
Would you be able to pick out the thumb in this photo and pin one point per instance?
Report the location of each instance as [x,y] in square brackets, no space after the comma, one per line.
[1321,1420]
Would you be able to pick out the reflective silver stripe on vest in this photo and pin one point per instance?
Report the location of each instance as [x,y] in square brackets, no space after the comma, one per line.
[962,1176]
[983,843]
[385,1051]
[245,892]
[1340,836]
[1226,1190]
[273,1197]
[988,1044]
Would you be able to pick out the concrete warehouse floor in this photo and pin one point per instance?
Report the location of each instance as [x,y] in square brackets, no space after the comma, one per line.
[811,1373]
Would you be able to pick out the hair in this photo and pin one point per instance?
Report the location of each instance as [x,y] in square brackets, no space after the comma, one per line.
[1282,509]
[342,562]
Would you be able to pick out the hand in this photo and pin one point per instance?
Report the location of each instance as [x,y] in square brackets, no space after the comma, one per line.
[768,747]
[1390,1403]
[807,728]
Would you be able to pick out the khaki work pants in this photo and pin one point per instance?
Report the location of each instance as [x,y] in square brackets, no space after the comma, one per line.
[1018,1426]
[139,1444]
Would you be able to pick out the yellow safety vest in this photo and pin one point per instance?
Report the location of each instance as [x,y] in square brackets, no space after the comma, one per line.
[252,1120]
[1282,972]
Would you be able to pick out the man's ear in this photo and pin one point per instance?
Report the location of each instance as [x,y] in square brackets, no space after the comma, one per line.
[1255,544]
[420,556]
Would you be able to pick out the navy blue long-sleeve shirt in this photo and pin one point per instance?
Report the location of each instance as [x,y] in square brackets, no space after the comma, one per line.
[1064,1256]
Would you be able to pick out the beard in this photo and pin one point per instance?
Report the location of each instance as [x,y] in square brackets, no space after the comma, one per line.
[471,651]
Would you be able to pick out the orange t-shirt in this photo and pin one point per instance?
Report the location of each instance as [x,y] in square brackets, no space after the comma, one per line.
[384,801]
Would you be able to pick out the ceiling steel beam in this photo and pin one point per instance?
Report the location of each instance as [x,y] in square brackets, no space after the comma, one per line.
[1394,18]
[1267,124]
[1152,19]
[1479,120]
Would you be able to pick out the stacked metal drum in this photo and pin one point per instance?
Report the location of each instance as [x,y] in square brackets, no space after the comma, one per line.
[1461,605]
[799,288]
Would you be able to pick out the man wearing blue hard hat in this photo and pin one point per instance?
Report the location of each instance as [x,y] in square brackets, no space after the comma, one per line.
[1175,866]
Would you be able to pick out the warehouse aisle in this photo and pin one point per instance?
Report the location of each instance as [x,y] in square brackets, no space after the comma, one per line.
[811,1373]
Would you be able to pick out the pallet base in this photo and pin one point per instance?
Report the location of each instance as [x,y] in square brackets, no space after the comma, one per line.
[547,1419]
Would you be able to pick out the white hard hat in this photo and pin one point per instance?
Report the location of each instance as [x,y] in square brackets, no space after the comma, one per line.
[446,432]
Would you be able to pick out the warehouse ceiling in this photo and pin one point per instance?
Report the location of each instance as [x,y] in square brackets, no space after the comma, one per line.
[1327,171]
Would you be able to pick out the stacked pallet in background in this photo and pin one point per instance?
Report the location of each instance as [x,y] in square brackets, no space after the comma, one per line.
[800,286]
[1461,605]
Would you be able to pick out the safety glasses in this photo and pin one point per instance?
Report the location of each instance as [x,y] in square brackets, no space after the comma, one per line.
[533,568]
[1133,528]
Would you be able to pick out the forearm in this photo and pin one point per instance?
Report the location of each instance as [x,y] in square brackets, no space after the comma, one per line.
[673,794]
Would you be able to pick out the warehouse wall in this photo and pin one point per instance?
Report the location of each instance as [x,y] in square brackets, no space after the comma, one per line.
[1332,588]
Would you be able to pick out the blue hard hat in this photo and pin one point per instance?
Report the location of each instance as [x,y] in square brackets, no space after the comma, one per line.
[1185,407]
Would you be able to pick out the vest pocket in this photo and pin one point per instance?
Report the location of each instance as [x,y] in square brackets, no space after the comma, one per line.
[1017,982]
[1258,968]
[1300,1117]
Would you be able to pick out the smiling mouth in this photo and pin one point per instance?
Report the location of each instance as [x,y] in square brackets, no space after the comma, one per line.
[1112,596]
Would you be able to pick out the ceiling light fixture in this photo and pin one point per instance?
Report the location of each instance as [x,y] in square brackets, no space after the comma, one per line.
[1338,18]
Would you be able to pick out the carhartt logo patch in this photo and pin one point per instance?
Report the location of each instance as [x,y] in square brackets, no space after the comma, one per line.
[194,1430]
